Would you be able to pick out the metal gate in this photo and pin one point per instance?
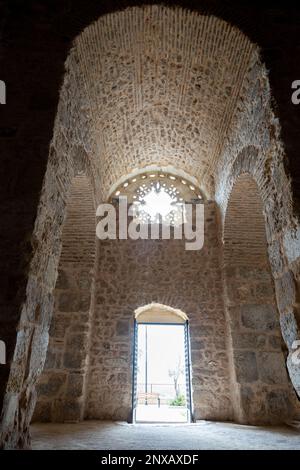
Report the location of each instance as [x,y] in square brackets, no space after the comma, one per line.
[134,371]
[188,372]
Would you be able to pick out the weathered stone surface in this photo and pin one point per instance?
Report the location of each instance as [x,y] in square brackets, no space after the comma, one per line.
[62,280]
[248,341]
[289,328]
[51,360]
[291,243]
[217,161]
[293,365]
[64,410]
[53,386]
[42,412]
[85,302]
[275,257]
[279,405]
[252,407]
[271,367]
[259,317]
[74,360]
[276,342]
[59,325]
[285,291]
[197,344]
[75,385]
[68,302]
[246,366]
[122,328]
[84,280]
[141,275]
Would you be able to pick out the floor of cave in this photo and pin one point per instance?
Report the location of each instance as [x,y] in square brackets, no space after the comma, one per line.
[106,435]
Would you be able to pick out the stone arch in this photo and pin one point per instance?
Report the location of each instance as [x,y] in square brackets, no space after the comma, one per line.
[274,186]
[260,387]
[62,386]
[131,124]
[282,236]
[64,163]
[159,313]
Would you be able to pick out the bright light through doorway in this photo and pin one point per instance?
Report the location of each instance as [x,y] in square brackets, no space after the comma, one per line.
[161,386]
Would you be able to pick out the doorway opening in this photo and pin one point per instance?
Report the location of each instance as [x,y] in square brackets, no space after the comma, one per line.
[161,366]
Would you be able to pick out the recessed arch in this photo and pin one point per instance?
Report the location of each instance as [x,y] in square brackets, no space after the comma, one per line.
[162,323]
[165,170]
[261,389]
[62,385]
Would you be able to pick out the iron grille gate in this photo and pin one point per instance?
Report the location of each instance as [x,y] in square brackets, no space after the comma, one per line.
[188,379]
[188,372]
[134,371]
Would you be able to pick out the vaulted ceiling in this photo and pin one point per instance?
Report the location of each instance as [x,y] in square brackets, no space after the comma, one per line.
[161,87]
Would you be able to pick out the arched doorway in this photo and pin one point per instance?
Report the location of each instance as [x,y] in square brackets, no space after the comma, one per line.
[161,352]
[261,392]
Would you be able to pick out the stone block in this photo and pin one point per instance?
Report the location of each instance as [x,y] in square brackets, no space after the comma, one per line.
[84,280]
[68,302]
[285,291]
[84,302]
[77,342]
[64,410]
[259,316]
[50,362]
[42,412]
[271,367]
[242,340]
[264,290]
[74,360]
[197,344]
[203,397]
[62,280]
[279,406]
[59,325]
[276,342]
[75,385]
[293,365]
[275,257]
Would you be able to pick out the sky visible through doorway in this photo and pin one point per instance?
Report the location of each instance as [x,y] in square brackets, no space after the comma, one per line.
[165,351]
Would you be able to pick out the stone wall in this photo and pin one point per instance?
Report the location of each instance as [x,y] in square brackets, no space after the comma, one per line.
[133,273]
